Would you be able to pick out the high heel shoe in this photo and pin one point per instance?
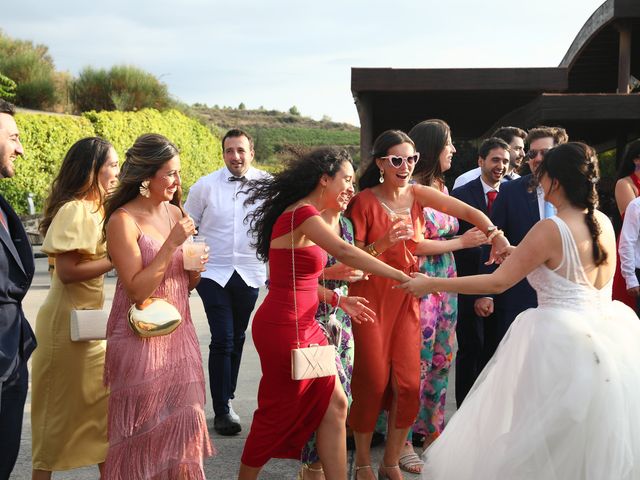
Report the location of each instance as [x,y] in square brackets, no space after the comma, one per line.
[382,471]
[310,469]
[358,468]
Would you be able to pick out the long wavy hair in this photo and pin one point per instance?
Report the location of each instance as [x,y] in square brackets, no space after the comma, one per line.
[430,138]
[575,166]
[300,177]
[386,140]
[147,155]
[627,166]
[78,177]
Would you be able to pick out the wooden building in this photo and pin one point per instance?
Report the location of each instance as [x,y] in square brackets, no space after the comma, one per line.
[593,93]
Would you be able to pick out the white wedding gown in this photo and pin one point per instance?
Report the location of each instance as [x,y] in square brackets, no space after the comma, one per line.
[560,399]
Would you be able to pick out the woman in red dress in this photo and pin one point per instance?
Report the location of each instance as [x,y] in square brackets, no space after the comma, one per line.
[627,189]
[289,411]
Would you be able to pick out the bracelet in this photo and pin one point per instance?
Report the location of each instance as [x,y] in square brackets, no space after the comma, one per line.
[335,299]
[494,234]
[371,249]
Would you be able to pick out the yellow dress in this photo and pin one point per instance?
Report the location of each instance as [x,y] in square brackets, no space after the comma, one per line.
[68,398]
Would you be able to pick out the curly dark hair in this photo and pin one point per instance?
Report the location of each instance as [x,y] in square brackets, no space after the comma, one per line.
[575,166]
[296,181]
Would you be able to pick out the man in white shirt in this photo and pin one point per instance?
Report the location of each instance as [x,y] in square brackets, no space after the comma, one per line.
[229,286]
[629,250]
[514,137]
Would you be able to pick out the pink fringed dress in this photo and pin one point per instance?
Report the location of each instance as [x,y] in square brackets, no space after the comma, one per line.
[156,423]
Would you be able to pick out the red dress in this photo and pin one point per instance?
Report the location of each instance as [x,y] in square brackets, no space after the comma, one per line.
[619,285]
[289,411]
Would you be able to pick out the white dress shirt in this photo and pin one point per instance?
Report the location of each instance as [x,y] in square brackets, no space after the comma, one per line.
[216,205]
[488,188]
[629,244]
[466,177]
[541,203]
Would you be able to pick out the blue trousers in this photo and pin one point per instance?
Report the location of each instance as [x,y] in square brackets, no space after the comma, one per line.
[14,394]
[228,311]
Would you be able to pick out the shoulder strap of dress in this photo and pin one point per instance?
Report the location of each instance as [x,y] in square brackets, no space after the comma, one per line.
[132,218]
[570,267]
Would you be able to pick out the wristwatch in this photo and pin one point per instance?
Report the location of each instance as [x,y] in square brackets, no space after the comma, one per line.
[491,229]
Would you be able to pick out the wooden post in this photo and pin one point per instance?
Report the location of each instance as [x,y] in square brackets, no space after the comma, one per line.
[365,112]
[624,57]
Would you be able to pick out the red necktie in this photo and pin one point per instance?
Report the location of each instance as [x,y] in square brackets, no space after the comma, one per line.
[491,196]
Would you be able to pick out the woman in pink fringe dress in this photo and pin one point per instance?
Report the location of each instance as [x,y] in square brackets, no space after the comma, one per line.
[156,423]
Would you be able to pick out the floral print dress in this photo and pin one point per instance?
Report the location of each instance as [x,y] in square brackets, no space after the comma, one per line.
[438,315]
[344,361]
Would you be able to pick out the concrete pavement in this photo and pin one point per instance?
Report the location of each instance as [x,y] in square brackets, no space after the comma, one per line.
[225,465]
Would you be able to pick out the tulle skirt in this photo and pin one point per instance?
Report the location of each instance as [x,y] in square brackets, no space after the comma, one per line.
[560,400]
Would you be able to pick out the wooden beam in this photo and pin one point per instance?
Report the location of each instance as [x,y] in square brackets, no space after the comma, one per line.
[462,79]
[624,57]
[365,113]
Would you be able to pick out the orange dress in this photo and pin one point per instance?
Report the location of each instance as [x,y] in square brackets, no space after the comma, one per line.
[390,347]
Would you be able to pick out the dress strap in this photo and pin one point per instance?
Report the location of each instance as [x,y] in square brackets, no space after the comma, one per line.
[132,218]
[636,181]
[570,267]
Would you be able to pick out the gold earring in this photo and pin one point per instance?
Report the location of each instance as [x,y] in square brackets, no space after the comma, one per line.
[381,179]
[144,189]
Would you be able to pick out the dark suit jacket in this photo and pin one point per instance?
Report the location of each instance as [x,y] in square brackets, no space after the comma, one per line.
[515,211]
[17,340]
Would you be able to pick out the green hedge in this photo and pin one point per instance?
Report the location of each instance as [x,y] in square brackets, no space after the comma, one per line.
[46,139]
[200,151]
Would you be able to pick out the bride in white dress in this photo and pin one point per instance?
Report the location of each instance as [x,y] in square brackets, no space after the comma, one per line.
[560,399]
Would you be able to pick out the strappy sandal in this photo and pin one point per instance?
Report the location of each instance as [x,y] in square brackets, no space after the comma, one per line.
[358,468]
[310,469]
[382,471]
[410,462]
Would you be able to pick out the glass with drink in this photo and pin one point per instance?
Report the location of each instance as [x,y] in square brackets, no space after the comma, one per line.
[192,251]
[405,215]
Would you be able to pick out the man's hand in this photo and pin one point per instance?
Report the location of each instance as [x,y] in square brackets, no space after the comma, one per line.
[483,306]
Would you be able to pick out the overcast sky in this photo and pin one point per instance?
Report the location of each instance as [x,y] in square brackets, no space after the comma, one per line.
[279,53]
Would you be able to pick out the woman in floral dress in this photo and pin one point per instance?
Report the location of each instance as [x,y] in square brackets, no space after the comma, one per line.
[438,312]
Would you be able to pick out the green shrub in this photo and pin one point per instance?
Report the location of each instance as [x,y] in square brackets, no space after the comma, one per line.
[32,68]
[123,87]
[200,151]
[7,88]
[46,139]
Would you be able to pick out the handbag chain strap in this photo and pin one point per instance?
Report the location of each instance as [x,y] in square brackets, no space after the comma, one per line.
[293,268]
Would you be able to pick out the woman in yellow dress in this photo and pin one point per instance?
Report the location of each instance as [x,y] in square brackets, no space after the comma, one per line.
[68,399]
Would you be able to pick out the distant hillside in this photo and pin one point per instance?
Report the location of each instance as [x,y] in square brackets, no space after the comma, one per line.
[277,134]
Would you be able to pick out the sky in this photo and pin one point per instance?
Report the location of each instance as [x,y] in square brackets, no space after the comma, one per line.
[280,53]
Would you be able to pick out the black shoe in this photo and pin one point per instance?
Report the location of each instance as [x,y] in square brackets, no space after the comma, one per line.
[226,425]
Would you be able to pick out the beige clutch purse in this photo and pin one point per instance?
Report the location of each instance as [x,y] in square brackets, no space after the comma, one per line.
[155,317]
[313,361]
[86,325]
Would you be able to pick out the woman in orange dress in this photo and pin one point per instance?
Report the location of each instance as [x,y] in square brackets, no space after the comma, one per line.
[388,223]
[627,189]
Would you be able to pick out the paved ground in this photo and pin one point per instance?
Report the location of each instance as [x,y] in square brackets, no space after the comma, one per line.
[225,465]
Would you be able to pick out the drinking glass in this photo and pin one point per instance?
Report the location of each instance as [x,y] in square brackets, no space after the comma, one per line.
[192,251]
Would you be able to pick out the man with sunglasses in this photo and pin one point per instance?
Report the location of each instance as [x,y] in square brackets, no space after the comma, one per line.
[515,211]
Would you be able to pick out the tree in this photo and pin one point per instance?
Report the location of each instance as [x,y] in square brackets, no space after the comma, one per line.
[31,67]
[242,106]
[123,87]
[294,111]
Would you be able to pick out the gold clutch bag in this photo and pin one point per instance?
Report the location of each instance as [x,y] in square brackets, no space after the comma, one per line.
[313,361]
[155,317]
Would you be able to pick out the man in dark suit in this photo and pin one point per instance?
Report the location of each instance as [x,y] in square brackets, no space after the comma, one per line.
[493,160]
[518,208]
[17,340]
